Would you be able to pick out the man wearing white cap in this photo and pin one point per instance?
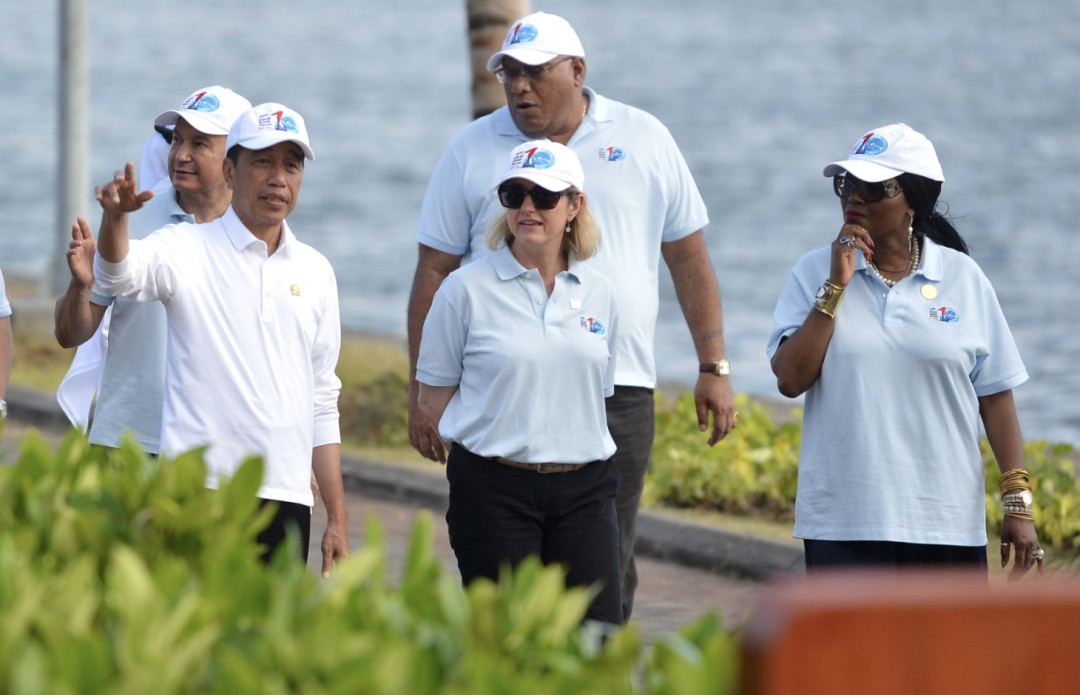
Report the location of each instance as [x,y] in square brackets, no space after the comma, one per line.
[647,206]
[133,375]
[253,326]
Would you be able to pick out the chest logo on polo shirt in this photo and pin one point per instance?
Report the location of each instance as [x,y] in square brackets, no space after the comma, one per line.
[944,314]
[592,325]
[611,154]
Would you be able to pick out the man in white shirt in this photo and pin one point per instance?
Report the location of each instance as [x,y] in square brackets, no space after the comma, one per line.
[253,325]
[648,207]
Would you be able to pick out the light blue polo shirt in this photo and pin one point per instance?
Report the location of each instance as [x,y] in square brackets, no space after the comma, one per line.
[891,428]
[133,383]
[532,371]
[639,188]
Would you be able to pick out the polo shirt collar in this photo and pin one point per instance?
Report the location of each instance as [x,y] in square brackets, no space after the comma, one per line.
[508,268]
[930,263]
[173,209]
[241,237]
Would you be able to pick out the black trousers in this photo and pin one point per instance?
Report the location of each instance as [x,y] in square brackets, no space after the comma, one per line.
[500,515]
[631,416]
[289,514]
[885,554]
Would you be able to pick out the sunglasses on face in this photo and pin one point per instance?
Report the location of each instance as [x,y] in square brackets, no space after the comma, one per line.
[844,185]
[512,195]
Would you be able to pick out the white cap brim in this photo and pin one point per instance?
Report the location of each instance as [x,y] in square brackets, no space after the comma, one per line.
[528,56]
[262,142]
[543,180]
[196,120]
[862,169]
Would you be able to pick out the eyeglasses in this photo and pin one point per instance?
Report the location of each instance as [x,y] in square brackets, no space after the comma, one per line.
[533,72]
[844,186]
[512,195]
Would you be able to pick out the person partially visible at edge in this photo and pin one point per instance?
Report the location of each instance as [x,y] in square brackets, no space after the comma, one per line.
[253,326]
[132,379]
[644,199]
[897,339]
[517,357]
[7,347]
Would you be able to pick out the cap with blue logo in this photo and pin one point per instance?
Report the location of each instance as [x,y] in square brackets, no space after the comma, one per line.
[548,164]
[210,110]
[537,38]
[887,152]
[266,125]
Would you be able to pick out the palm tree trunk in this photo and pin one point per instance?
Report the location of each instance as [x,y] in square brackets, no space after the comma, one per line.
[489,22]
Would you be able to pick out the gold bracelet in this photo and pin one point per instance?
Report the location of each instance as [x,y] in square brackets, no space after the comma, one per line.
[827,299]
[1013,479]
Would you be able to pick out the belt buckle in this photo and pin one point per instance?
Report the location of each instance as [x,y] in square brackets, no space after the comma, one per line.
[544,468]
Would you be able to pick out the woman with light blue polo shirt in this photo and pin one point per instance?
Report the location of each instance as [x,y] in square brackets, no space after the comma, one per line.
[516,359]
[897,339]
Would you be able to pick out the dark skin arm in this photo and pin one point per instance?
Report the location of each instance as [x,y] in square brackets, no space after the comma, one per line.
[798,359]
[699,297]
[432,267]
[998,413]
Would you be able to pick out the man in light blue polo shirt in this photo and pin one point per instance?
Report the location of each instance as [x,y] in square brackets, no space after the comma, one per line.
[132,376]
[648,207]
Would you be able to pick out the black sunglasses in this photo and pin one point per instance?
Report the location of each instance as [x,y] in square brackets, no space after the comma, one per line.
[512,195]
[844,185]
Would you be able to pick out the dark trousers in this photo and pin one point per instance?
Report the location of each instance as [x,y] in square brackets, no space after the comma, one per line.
[631,416]
[500,515]
[288,515]
[886,554]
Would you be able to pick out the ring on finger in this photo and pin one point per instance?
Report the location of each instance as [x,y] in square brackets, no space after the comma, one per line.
[1038,554]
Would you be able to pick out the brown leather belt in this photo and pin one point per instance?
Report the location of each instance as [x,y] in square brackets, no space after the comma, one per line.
[539,467]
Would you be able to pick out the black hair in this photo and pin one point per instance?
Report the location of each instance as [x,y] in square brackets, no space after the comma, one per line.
[922,194]
[233,155]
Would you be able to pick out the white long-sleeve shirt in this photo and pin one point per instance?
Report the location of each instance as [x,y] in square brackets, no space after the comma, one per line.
[253,343]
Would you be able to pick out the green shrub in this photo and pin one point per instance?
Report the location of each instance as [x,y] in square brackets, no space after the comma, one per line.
[375,409]
[753,470]
[124,574]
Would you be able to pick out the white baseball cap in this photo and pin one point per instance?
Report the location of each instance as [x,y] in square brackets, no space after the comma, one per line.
[537,38]
[210,110]
[548,164]
[887,152]
[266,125]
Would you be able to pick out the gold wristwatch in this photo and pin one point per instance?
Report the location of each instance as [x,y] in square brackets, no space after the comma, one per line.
[721,368]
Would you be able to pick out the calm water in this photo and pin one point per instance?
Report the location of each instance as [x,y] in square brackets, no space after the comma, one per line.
[759,95]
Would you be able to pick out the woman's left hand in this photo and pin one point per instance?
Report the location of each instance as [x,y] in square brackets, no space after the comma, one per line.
[1019,534]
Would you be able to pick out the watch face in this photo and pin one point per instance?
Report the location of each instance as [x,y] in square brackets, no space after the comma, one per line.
[1026,498]
[821,291]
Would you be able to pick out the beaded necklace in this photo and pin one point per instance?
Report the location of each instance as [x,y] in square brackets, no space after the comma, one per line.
[913,262]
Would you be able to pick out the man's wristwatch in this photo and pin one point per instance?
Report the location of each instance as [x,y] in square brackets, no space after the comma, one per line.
[721,368]
[3,409]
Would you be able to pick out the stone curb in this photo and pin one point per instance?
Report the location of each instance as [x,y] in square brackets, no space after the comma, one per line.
[662,536]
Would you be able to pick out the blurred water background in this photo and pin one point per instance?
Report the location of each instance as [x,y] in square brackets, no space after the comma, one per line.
[759,95]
